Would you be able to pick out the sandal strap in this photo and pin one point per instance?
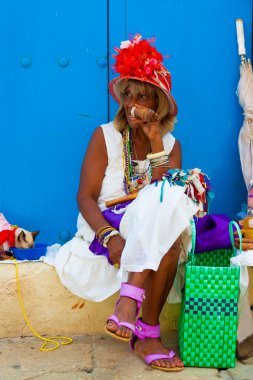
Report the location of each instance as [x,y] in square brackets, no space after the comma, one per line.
[150,358]
[131,291]
[142,330]
[128,325]
[113,318]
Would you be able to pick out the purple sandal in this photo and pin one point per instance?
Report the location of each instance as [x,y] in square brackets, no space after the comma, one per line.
[135,293]
[142,331]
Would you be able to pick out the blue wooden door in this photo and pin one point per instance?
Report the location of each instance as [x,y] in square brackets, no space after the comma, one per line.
[53,93]
[200,38]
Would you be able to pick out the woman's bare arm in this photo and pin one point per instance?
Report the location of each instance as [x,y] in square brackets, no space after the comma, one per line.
[176,156]
[91,179]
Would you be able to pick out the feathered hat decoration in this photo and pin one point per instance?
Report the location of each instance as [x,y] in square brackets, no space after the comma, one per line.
[138,59]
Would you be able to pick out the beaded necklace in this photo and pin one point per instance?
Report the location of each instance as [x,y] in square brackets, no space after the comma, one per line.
[132,183]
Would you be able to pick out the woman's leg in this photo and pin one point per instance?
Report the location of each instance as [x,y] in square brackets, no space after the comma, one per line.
[125,309]
[157,287]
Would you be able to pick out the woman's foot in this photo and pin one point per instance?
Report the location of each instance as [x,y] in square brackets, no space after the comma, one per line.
[125,311]
[154,346]
[121,324]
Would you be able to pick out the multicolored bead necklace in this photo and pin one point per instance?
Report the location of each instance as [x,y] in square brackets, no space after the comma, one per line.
[132,183]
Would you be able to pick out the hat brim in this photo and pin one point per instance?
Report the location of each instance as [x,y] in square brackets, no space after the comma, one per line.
[114,92]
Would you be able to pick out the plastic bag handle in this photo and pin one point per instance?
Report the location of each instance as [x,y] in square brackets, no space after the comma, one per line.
[194,233]
[193,228]
[231,233]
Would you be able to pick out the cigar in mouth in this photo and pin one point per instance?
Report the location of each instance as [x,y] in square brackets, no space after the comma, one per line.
[145,114]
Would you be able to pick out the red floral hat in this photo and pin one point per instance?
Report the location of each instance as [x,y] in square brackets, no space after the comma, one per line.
[138,59]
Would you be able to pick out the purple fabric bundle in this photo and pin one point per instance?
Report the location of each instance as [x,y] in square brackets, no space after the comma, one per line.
[212,232]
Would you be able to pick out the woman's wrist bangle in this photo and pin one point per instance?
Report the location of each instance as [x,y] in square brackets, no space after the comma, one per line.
[161,165]
[102,229]
[155,160]
[151,156]
[106,231]
[159,161]
[108,237]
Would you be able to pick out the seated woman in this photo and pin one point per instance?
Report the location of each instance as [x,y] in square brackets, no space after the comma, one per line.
[136,245]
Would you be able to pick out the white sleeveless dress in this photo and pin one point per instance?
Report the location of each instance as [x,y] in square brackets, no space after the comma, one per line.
[149,227]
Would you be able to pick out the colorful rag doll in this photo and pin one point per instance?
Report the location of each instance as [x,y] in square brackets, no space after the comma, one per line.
[14,236]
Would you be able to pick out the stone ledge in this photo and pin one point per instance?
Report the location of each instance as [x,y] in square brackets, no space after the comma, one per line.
[51,308]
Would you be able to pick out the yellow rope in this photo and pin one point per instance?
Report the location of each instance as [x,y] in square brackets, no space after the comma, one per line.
[46,340]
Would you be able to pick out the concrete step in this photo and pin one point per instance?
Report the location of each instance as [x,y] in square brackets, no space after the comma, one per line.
[52,309]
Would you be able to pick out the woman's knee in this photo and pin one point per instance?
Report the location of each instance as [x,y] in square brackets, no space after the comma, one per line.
[175,248]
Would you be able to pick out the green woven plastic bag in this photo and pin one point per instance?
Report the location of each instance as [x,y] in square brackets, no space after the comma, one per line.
[209,313]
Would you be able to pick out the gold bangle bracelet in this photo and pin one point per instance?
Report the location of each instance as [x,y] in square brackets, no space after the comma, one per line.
[100,236]
[101,229]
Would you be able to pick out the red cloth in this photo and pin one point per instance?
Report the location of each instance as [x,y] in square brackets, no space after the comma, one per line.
[9,236]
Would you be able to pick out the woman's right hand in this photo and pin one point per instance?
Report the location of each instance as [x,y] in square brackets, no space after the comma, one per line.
[115,247]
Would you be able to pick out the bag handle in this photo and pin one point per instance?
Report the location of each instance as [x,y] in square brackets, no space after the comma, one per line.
[194,233]
[231,234]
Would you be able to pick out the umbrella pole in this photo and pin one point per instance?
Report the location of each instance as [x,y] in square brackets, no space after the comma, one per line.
[240,39]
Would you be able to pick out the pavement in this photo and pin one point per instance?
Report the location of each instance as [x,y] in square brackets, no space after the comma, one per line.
[97,357]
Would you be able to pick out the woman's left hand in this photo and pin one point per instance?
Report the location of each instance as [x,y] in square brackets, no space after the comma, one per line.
[151,130]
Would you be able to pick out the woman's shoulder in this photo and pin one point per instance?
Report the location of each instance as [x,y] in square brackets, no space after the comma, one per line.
[168,141]
[109,128]
[105,133]
[113,138]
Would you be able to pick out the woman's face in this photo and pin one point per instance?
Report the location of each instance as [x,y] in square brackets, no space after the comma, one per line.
[131,97]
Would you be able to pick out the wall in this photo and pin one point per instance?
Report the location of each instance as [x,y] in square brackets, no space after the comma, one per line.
[53,93]
[200,39]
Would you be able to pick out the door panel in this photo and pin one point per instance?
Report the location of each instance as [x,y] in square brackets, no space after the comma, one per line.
[53,94]
[200,38]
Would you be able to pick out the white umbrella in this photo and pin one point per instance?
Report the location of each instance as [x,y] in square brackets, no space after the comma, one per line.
[245,141]
[245,95]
